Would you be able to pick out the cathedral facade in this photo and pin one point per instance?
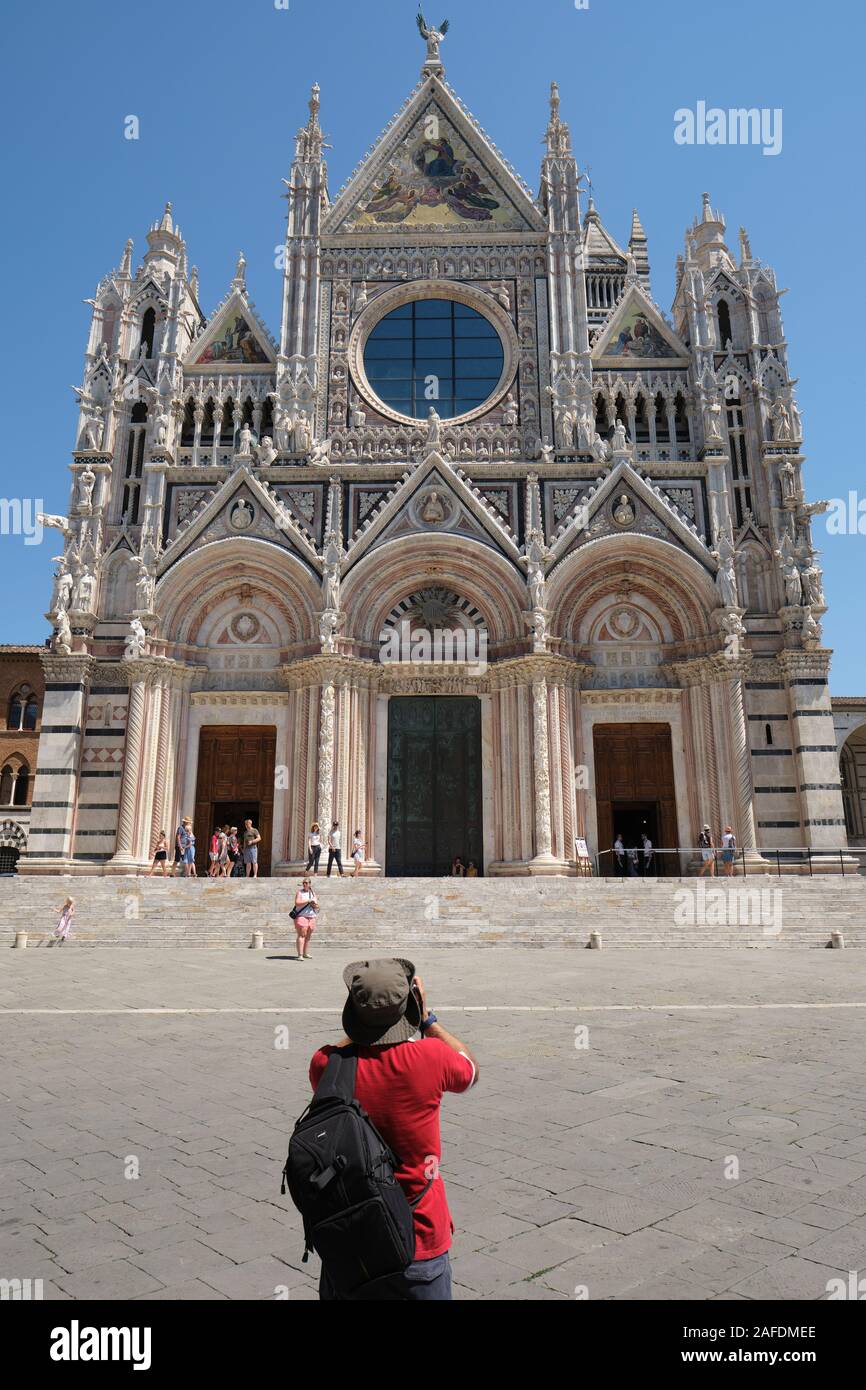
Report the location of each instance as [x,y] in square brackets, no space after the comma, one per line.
[484,555]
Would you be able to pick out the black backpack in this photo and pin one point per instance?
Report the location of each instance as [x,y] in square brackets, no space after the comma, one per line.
[340,1174]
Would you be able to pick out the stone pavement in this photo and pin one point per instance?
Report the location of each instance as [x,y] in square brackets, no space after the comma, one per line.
[646,1124]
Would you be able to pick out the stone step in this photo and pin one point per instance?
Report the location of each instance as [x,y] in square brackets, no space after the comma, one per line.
[371,913]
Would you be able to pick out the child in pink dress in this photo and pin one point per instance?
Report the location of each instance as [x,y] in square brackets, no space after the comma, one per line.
[61,931]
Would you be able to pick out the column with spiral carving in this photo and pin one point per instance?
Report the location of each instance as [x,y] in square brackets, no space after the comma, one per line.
[325,789]
[124,851]
[742,759]
[544,860]
[160,789]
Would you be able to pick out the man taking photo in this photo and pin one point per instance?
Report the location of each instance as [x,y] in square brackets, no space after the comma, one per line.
[406,1062]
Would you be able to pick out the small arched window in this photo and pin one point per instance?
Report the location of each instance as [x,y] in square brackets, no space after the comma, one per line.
[724,314]
[22,784]
[768,734]
[7,784]
[23,709]
[148,329]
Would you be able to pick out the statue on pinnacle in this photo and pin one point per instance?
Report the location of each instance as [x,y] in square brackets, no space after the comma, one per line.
[433,38]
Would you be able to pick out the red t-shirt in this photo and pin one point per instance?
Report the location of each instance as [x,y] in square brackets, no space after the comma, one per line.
[401,1088]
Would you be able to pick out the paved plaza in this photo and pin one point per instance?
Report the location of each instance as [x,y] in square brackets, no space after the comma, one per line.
[647,1124]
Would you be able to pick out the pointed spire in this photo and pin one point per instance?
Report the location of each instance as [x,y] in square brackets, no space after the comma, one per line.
[745,247]
[126,260]
[193,281]
[165,225]
[557,136]
[637,245]
[310,141]
[240,278]
[707,236]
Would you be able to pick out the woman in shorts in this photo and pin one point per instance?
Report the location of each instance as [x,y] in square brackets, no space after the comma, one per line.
[305,922]
[708,852]
[160,854]
[357,852]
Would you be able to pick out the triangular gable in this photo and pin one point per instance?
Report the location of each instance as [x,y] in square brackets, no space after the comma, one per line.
[636,335]
[433,168]
[456,496]
[234,338]
[261,492]
[598,242]
[672,525]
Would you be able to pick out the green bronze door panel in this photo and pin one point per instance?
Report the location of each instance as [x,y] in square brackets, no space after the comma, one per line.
[434,784]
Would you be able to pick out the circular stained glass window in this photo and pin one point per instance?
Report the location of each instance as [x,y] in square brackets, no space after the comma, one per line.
[434,352]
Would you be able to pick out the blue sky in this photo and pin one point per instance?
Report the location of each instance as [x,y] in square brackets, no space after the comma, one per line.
[220,89]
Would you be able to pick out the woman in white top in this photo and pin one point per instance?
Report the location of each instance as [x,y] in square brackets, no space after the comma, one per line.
[314,847]
[357,851]
[305,921]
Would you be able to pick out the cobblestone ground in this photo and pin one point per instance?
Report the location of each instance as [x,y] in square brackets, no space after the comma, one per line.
[647,1124]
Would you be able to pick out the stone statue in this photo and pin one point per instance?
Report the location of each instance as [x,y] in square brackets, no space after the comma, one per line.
[811,630]
[788,480]
[545,449]
[434,429]
[780,421]
[810,578]
[619,444]
[62,639]
[94,429]
[136,641]
[600,449]
[509,414]
[726,579]
[361,297]
[267,452]
[433,511]
[321,451]
[536,585]
[331,572]
[328,630]
[623,512]
[62,589]
[713,419]
[86,483]
[56,523]
[539,632]
[143,588]
[245,441]
[433,38]
[303,434]
[160,428]
[584,427]
[359,417]
[83,592]
[283,427]
[791,578]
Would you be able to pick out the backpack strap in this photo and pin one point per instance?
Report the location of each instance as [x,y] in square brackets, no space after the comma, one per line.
[337,1081]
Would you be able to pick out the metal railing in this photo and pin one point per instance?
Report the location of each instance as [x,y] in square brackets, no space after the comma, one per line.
[687,861]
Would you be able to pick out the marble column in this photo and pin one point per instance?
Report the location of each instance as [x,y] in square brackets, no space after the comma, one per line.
[138,673]
[325,786]
[544,858]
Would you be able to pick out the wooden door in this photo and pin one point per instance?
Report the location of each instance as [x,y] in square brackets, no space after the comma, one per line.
[235,766]
[634,766]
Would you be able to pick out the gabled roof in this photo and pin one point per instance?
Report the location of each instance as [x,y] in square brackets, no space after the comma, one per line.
[634,334]
[597,240]
[234,337]
[433,166]
[623,473]
[273,506]
[449,480]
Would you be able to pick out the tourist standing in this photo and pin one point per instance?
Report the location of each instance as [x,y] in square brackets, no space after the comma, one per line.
[458,868]
[61,931]
[729,850]
[647,851]
[314,848]
[357,852]
[234,852]
[335,850]
[223,852]
[305,921]
[619,854]
[708,852]
[160,854]
[186,843]
[252,840]
[177,867]
[471,869]
[214,854]
[631,861]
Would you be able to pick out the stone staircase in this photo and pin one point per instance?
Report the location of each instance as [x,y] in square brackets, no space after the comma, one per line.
[390,914]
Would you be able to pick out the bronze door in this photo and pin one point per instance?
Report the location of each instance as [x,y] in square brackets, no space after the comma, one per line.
[634,780]
[434,784]
[235,780]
